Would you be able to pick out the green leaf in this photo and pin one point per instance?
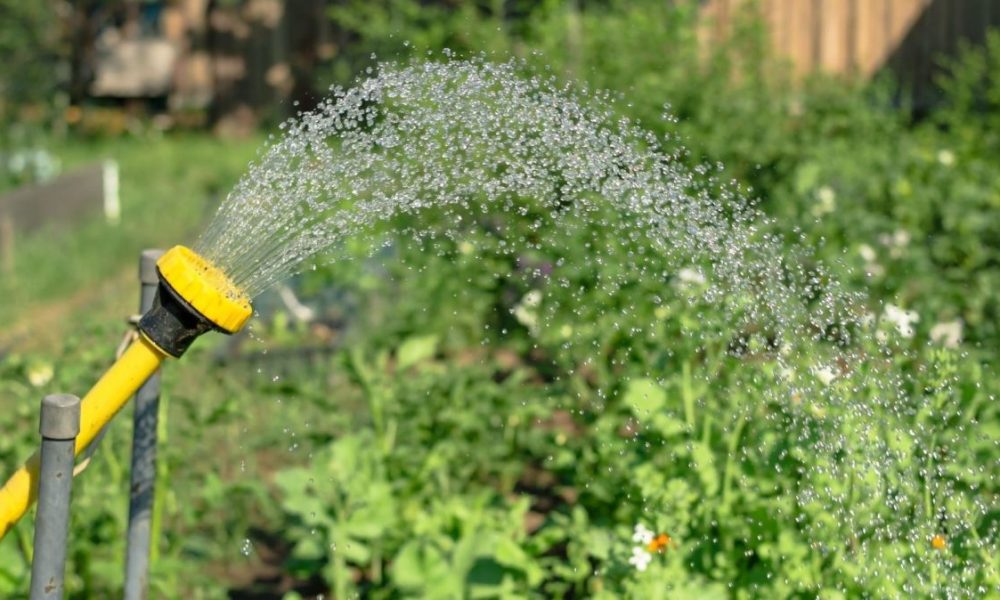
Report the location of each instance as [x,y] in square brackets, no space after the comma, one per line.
[599,543]
[645,396]
[420,568]
[509,554]
[704,465]
[668,426]
[354,551]
[309,549]
[807,177]
[415,350]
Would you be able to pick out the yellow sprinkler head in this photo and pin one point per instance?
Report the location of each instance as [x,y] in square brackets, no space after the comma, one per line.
[194,296]
[205,287]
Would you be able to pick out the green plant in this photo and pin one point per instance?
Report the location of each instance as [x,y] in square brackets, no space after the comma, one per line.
[488,429]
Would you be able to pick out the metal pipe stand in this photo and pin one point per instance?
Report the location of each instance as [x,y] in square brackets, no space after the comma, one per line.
[59,426]
[143,474]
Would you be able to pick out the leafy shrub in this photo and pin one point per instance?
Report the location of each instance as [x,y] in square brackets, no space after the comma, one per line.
[466,442]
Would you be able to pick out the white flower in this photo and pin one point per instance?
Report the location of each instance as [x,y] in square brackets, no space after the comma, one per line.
[525,312]
[825,374]
[826,201]
[526,317]
[640,559]
[532,299]
[902,319]
[948,333]
[946,157]
[688,276]
[642,535]
[867,253]
[896,242]
[872,268]
[39,374]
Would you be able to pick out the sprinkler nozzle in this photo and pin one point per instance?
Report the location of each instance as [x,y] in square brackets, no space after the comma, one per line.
[194,296]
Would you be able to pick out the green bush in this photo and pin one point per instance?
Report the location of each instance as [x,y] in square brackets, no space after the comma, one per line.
[486,432]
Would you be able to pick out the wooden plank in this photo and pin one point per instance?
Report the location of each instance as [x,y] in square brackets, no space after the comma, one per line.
[834,35]
[905,14]
[774,14]
[723,20]
[801,35]
[768,12]
[939,18]
[707,16]
[851,37]
[957,24]
[789,23]
[927,28]
[907,54]
[808,46]
[869,40]
[816,33]
[950,31]
[973,21]
[886,42]
[885,45]
[862,36]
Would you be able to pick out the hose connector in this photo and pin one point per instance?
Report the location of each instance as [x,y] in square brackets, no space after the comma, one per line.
[193,296]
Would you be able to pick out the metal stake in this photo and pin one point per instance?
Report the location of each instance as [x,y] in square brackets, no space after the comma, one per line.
[59,426]
[147,402]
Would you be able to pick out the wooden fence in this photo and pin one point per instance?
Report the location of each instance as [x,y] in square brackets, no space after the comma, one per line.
[862,37]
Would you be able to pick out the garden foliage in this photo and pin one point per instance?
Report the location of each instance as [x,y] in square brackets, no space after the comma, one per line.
[459,442]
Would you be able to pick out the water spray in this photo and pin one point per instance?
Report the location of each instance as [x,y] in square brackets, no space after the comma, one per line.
[193,297]
[458,142]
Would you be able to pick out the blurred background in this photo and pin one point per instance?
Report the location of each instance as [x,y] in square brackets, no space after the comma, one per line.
[870,129]
[228,66]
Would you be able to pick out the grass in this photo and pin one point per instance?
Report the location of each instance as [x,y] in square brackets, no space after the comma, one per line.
[168,188]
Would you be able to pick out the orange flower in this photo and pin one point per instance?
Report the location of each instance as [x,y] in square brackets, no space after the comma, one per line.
[659,543]
[939,542]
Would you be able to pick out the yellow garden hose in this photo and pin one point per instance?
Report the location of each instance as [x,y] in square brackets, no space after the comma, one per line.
[194,296]
[107,397]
